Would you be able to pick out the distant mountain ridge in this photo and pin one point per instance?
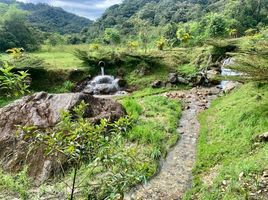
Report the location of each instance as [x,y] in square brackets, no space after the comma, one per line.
[51,19]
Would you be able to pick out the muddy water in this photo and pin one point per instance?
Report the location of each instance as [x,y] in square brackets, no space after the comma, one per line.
[175,176]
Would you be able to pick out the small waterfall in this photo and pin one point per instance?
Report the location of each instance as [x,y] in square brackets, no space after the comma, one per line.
[225,71]
[102,71]
[103,84]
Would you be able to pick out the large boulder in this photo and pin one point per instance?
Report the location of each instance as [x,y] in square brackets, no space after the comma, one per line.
[43,110]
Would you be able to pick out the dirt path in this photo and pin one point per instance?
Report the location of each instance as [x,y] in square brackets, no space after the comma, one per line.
[175,176]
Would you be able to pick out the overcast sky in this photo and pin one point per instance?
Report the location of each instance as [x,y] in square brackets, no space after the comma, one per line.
[91,9]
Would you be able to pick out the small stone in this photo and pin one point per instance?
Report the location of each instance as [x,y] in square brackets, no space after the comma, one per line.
[263,137]
[265,174]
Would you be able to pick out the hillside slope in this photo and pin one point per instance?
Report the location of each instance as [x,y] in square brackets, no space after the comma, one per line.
[240,15]
[47,18]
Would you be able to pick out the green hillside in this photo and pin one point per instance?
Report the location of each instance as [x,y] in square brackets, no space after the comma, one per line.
[47,18]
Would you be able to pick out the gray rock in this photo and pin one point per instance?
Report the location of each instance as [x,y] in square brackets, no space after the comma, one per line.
[263,137]
[43,110]
[173,78]
[182,80]
[231,85]
[156,84]
[212,75]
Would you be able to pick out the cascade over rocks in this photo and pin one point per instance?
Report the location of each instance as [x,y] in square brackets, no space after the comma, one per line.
[43,111]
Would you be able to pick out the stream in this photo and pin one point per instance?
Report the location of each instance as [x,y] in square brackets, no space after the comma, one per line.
[175,176]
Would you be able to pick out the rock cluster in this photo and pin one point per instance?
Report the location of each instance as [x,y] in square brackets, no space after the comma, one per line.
[43,110]
[200,79]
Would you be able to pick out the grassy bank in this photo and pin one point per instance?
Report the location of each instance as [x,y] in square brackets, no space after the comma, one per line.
[230,161]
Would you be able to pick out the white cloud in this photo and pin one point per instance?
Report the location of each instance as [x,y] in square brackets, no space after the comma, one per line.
[107,3]
[91,9]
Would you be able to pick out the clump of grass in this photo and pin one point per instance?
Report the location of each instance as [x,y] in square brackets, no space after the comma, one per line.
[17,185]
[65,87]
[157,122]
[5,101]
[226,146]
[187,70]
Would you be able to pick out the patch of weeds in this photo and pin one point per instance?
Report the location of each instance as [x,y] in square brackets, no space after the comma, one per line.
[17,185]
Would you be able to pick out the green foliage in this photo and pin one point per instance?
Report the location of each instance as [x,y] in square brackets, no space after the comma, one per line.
[227,147]
[116,60]
[214,17]
[250,32]
[157,120]
[183,35]
[18,184]
[233,33]
[49,19]
[66,87]
[55,39]
[252,60]
[133,45]
[161,43]
[16,53]
[13,84]
[216,25]
[111,36]
[101,145]
[15,32]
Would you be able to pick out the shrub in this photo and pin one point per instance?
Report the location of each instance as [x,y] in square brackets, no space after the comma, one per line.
[161,43]
[13,84]
[101,145]
[250,32]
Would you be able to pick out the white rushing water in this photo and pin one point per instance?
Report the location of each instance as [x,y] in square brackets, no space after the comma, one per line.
[225,71]
[102,71]
[103,85]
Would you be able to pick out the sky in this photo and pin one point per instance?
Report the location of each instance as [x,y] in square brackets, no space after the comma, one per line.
[91,9]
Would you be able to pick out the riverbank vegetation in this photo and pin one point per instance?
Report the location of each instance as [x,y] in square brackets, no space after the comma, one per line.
[231,160]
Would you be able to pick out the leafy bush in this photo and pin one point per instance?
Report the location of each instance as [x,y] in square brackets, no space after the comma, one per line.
[161,43]
[111,36]
[13,84]
[101,145]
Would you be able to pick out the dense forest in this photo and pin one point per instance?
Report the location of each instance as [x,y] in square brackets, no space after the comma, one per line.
[201,19]
[174,21]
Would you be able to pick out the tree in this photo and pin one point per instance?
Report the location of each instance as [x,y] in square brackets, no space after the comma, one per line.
[170,31]
[111,36]
[217,25]
[16,32]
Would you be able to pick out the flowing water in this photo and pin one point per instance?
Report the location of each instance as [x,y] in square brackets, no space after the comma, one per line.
[103,84]
[175,176]
[225,71]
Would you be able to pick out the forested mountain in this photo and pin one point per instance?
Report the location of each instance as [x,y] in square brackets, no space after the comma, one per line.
[240,14]
[47,18]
